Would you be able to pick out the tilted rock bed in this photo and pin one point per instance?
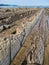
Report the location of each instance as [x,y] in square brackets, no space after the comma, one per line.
[6,19]
[14,24]
[10,43]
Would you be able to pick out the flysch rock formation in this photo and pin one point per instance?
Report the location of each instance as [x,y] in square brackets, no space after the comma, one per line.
[15,26]
[12,43]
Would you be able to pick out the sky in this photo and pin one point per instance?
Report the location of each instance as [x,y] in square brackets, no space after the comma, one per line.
[26,2]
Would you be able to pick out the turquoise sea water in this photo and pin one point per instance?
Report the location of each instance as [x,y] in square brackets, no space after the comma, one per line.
[8,7]
[24,6]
